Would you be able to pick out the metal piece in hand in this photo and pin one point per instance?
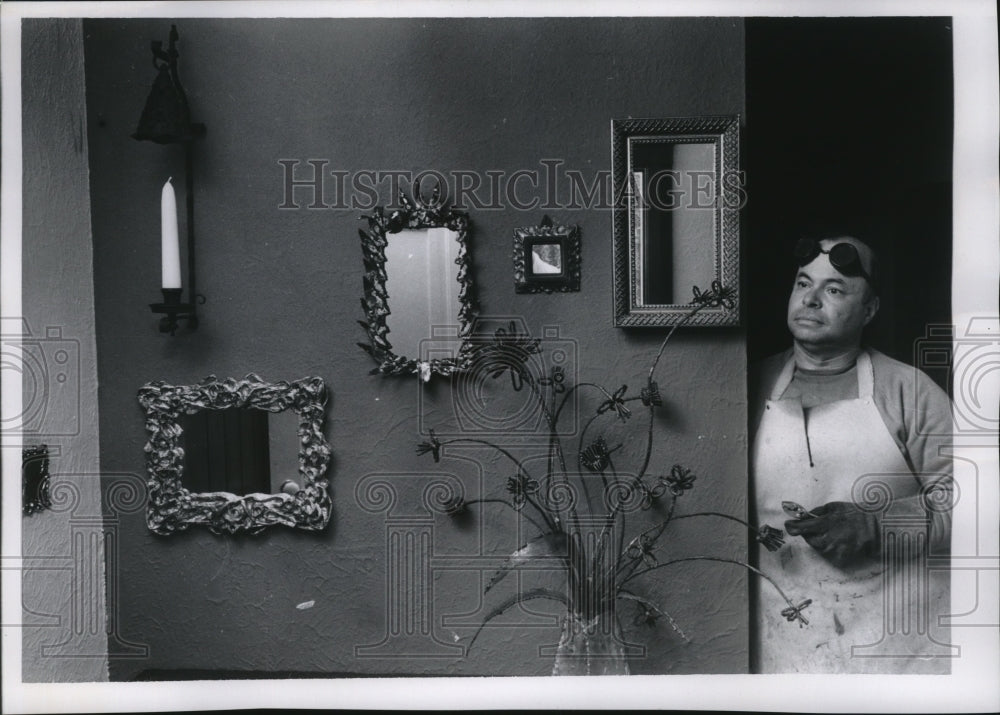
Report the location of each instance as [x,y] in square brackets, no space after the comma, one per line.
[796,511]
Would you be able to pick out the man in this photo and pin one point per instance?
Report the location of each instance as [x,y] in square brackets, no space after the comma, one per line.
[852,437]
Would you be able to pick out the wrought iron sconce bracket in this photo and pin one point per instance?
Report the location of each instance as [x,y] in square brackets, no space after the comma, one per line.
[174,310]
[166,119]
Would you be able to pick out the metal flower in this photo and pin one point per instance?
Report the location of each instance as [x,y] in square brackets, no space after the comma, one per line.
[680,480]
[521,486]
[509,351]
[617,403]
[714,297]
[794,613]
[597,456]
[650,395]
[433,446]
[772,539]
[652,494]
[646,616]
[556,380]
[641,547]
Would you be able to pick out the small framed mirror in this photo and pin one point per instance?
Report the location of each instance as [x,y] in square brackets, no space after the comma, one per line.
[35,495]
[236,455]
[418,291]
[677,226]
[546,258]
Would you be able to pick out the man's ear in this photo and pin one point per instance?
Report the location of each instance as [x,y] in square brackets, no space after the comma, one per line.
[871,308]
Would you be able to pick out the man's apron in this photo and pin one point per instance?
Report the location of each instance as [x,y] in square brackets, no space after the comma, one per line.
[844,441]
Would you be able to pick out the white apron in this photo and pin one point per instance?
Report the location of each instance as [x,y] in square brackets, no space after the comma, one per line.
[851,611]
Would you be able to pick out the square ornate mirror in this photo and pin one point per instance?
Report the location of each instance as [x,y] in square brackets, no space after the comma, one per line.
[236,455]
[546,258]
[677,226]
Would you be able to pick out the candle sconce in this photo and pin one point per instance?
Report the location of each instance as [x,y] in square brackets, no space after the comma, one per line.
[166,119]
[175,310]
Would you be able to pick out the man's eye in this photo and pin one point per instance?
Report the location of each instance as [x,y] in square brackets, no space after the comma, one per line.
[802,284]
[834,291]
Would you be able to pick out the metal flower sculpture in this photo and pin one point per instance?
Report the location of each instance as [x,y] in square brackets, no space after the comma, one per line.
[602,563]
[521,487]
[650,395]
[431,446]
[772,539]
[617,403]
[509,352]
[680,480]
[597,456]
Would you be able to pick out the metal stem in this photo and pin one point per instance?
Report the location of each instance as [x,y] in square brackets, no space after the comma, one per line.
[189,181]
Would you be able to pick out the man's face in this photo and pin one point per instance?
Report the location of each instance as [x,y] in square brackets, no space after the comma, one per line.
[828,310]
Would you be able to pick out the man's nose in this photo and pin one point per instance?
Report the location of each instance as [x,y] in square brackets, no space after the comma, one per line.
[810,297]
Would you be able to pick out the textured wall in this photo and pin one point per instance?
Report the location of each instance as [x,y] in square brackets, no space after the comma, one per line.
[283,289]
[64,599]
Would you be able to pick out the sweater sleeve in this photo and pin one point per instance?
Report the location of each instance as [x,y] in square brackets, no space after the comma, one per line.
[918,415]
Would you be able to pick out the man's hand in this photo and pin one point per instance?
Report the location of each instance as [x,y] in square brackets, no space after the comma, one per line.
[840,532]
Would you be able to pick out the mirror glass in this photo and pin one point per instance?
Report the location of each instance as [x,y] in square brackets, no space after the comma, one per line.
[674,196]
[220,452]
[546,259]
[241,450]
[677,232]
[422,284]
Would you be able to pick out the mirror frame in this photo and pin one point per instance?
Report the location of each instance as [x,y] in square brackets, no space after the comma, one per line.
[171,507]
[723,132]
[35,480]
[568,239]
[412,215]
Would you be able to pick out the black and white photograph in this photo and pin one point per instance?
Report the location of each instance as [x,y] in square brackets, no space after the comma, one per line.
[275,412]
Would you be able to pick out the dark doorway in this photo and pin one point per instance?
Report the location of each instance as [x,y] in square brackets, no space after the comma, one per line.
[849,128]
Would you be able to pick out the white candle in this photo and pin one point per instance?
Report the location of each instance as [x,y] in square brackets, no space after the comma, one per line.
[170,251]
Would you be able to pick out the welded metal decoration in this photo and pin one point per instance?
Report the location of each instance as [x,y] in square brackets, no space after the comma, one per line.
[678,223]
[166,116]
[171,507]
[547,258]
[166,119]
[392,354]
[600,549]
[35,479]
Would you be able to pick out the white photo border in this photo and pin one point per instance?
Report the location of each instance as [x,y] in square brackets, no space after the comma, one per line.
[973,685]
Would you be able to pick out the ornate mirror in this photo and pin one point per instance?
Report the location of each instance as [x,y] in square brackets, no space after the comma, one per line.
[35,494]
[677,226]
[236,455]
[546,258]
[417,288]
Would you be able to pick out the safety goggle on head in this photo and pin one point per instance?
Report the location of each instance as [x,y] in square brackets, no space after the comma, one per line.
[843,256]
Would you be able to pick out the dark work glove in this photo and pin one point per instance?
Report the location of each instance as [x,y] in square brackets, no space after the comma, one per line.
[840,532]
